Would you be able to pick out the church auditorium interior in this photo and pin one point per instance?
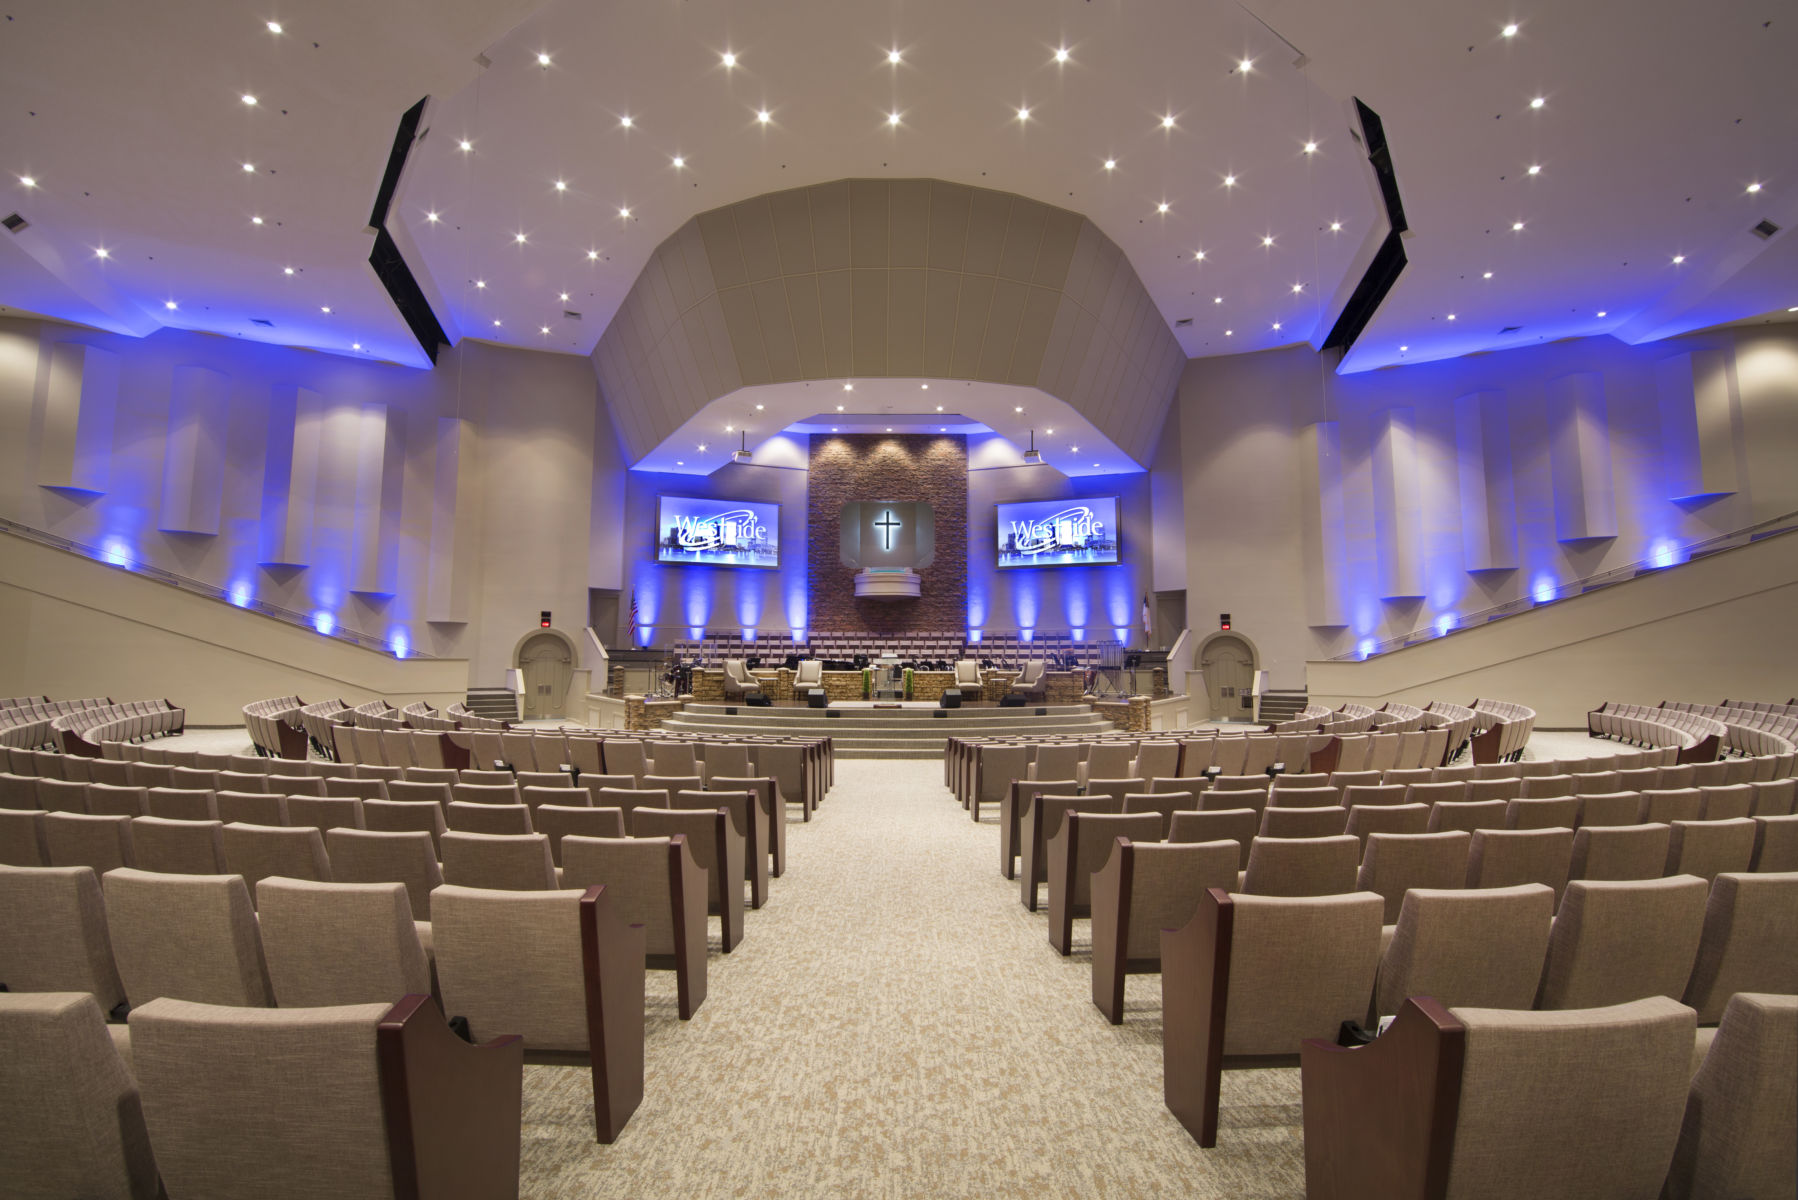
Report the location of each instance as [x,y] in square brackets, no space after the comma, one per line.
[1028,598]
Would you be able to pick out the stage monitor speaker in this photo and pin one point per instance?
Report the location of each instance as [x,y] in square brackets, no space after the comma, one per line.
[756,700]
[817,698]
[951,699]
[1013,700]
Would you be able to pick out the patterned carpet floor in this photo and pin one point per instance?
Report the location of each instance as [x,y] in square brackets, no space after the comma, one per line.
[895,1024]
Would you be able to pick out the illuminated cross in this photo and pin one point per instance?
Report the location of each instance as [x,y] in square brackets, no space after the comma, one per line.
[886,525]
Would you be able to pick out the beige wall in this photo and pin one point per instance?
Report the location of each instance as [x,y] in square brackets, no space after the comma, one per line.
[1717,628]
[358,539]
[1312,561]
[76,627]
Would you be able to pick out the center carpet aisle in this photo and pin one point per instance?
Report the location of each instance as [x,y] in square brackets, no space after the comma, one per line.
[895,1024]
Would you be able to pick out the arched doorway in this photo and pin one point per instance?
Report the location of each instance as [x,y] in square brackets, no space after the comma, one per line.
[1228,662]
[545,662]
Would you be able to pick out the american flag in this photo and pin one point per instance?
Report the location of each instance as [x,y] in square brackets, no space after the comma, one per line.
[633,610]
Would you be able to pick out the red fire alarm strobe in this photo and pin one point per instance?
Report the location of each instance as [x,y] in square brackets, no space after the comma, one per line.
[1223,621]
[543,620]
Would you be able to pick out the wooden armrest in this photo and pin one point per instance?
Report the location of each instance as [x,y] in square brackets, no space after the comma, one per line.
[1380,1119]
[453,1110]
[613,967]
[1195,988]
[1111,929]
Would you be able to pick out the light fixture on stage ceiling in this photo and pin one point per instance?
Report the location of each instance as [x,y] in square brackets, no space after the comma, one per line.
[1033,455]
[742,454]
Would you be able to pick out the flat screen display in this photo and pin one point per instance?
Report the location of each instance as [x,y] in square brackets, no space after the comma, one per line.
[719,533]
[1059,533]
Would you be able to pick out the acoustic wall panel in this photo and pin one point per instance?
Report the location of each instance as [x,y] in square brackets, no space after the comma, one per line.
[296,422]
[1700,413]
[1580,458]
[380,479]
[1488,496]
[455,522]
[193,467]
[1398,519]
[1322,535]
[78,406]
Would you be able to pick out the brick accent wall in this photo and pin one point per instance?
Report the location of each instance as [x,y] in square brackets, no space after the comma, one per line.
[932,468]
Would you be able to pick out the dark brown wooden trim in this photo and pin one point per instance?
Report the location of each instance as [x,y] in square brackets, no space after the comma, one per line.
[687,887]
[1380,1119]
[453,1111]
[612,963]
[456,758]
[1195,989]
[1112,886]
[1063,854]
[1325,760]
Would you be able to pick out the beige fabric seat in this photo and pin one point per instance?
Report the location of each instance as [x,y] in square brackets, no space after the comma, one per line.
[1495,789]
[1106,760]
[1436,792]
[628,800]
[303,785]
[1558,812]
[557,821]
[61,796]
[510,862]
[251,808]
[73,1120]
[728,760]
[1239,825]
[1707,848]
[289,1103]
[54,937]
[258,851]
[340,943]
[1484,947]
[357,789]
[1577,1103]
[419,791]
[767,797]
[716,844]
[624,756]
[405,816]
[1304,797]
[1726,802]
[652,882]
[193,937]
[1741,1118]
[325,812]
[1140,890]
[967,676]
[1747,945]
[180,804]
[1669,805]
[1042,821]
[1270,971]
[443,775]
[1467,815]
[1164,804]
[1080,847]
[563,780]
[489,818]
[749,821]
[178,847]
[371,856]
[1503,858]
[235,781]
[1775,844]
[516,961]
[1620,852]
[1611,808]
[1394,863]
[22,839]
[1323,866]
[1615,941]
[485,793]
[1364,821]
[84,840]
[1772,798]
[1304,822]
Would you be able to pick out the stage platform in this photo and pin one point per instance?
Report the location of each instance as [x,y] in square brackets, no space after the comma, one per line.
[915,729]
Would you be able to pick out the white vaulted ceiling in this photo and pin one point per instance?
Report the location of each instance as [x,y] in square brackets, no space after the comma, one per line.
[1657,119]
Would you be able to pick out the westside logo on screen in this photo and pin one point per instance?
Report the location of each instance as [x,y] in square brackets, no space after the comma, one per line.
[1069,528]
[720,530]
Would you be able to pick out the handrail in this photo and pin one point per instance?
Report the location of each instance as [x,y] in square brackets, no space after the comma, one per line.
[1664,558]
[209,590]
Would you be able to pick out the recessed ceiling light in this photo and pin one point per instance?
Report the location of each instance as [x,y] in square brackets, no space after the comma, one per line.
[1402,349]
[249,100]
[1111,164]
[1794,308]
[1535,169]
[249,168]
[1049,432]
[542,60]
[833,428]
[893,57]
[1018,409]
[625,213]
[465,145]
[480,283]
[355,345]
[729,59]
[1297,288]
[564,297]
[1095,464]
[889,429]
[1167,122]
[1075,449]
[1217,300]
[1601,312]
[170,305]
[1229,333]
[1335,226]
[519,238]
[702,445]
[592,254]
[1516,226]
[496,321]
[625,121]
[1276,326]
[274,27]
[1754,187]
[892,118]
[1538,102]
[255,220]
[430,216]
[680,462]
[764,116]
[758,408]
[730,429]
[545,329]
[679,161]
[324,308]
[1162,208]
[1023,114]
[1061,54]
[1509,31]
[1310,147]
[1245,64]
[561,185]
[1267,239]
[1198,256]
[848,387]
[839,408]
[1678,258]
[924,386]
[287,270]
[1487,275]
[28,181]
[1229,181]
[939,408]
[1451,316]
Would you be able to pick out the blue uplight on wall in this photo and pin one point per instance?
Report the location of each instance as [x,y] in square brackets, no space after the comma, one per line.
[1027,635]
[1122,631]
[1664,554]
[1544,589]
[401,642]
[241,593]
[1079,632]
[324,622]
[1367,647]
[973,636]
[1446,622]
[117,551]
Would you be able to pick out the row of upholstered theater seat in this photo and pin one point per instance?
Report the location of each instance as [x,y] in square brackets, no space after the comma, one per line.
[273,724]
[29,723]
[134,720]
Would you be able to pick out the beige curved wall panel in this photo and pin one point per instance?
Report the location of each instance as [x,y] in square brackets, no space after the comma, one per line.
[865,278]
